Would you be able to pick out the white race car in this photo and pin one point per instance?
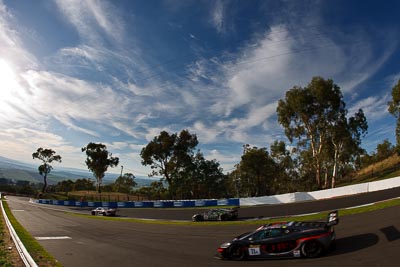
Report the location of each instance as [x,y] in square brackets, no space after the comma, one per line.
[104,211]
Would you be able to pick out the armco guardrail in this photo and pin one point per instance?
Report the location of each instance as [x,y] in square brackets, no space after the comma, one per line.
[322,194]
[25,256]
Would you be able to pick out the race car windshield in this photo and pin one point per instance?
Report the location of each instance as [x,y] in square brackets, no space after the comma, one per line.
[266,233]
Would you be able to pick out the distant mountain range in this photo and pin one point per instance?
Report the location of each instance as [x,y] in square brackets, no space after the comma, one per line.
[20,171]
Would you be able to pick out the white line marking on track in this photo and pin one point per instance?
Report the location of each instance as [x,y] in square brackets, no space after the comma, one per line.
[52,237]
[360,206]
[306,214]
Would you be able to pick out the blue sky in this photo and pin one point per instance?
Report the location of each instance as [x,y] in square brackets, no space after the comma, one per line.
[120,72]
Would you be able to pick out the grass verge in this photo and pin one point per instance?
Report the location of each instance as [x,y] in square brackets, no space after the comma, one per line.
[38,253]
[5,254]
[317,216]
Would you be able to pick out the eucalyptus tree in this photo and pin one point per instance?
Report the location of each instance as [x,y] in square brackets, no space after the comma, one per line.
[212,179]
[65,186]
[384,150]
[84,184]
[169,154]
[158,188]
[346,135]
[203,179]
[257,170]
[98,160]
[47,156]
[233,183]
[394,109]
[125,183]
[306,113]
[286,173]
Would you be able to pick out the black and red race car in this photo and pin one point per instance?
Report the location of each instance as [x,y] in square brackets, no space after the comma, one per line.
[283,240]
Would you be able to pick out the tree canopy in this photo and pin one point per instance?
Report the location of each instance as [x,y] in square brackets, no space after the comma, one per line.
[257,170]
[98,160]
[167,154]
[315,116]
[47,156]
[394,109]
[125,183]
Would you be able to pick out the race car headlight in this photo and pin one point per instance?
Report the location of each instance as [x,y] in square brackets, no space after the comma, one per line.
[225,245]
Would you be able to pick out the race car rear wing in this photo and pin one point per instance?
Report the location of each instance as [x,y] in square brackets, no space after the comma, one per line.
[333,218]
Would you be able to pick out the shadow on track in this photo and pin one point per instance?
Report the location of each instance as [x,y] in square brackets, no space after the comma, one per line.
[391,233]
[354,243]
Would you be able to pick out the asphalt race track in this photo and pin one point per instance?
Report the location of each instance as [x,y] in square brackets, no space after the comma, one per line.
[369,239]
[266,211]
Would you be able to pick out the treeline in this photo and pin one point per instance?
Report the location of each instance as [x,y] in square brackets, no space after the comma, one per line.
[383,151]
[324,147]
[18,187]
[123,184]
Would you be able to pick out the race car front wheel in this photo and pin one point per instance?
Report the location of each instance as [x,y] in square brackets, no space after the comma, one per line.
[311,249]
[237,253]
[197,218]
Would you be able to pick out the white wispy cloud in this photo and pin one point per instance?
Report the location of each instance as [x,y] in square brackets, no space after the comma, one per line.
[67,122]
[75,102]
[20,143]
[143,91]
[205,133]
[91,18]
[11,43]
[83,56]
[117,145]
[227,161]
[217,16]
[374,107]
[392,80]
[264,71]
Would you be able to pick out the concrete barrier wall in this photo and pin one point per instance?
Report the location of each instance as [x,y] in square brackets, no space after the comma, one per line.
[322,194]
[340,191]
[384,184]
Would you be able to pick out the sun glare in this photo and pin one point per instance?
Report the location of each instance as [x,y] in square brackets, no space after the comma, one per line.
[9,90]
[8,83]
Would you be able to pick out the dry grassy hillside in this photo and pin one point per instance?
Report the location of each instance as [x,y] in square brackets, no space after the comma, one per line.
[382,165]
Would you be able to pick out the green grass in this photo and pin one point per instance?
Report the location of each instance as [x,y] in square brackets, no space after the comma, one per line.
[38,253]
[5,258]
[317,216]
[392,175]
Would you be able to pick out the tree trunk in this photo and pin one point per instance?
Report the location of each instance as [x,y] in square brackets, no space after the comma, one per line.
[334,173]
[335,164]
[325,178]
[318,174]
[44,183]
[99,186]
